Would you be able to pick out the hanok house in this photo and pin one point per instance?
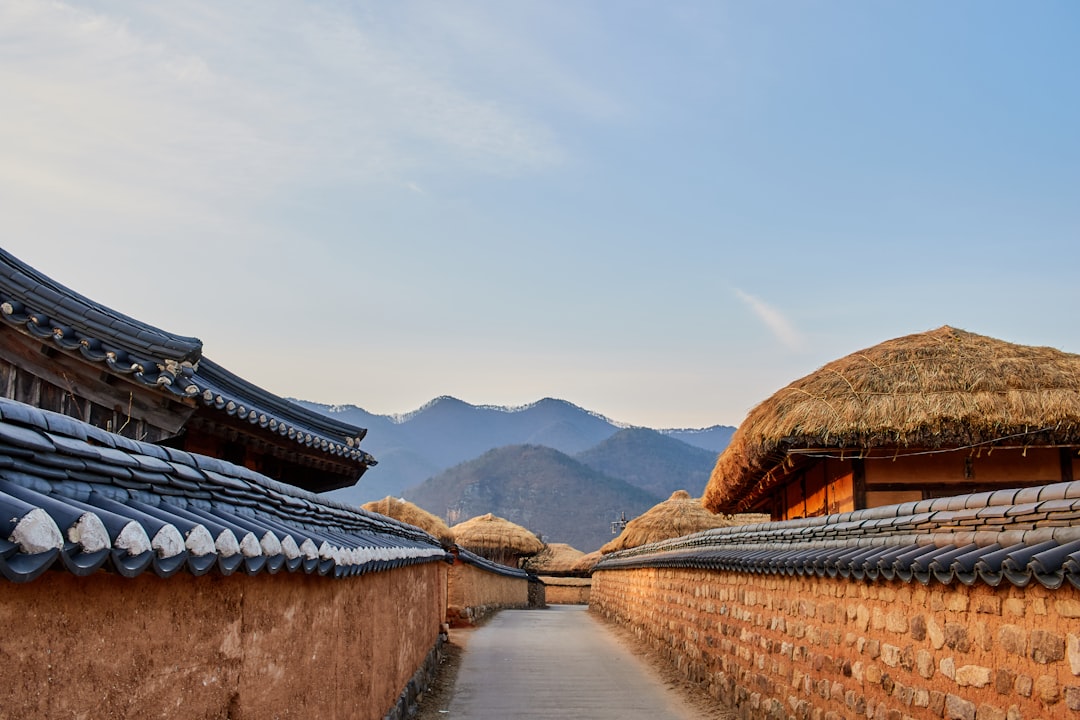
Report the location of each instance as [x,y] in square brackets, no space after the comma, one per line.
[929,415]
[63,352]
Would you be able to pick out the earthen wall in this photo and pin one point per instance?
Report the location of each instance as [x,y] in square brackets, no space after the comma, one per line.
[566,591]
[238,647]
[474,593]
[783,647]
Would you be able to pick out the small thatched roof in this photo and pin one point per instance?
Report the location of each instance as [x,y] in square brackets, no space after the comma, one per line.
[491,533]
[554,558]
[939,389]
[679,515]
[587,562]
[406,511]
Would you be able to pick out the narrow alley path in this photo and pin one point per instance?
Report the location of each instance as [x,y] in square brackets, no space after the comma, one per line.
[560,662]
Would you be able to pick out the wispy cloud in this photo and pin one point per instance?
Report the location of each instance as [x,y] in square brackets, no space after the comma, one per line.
[778,325]
[158,110]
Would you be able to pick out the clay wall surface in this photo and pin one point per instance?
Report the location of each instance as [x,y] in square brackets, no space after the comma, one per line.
[823,649]
[566,591]
[237,647]
[473,593]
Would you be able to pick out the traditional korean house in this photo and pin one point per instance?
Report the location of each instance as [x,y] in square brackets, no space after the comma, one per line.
[497,539]
[63,352]
[929,415]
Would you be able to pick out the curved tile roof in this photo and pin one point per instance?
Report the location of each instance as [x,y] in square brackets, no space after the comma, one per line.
[1019,536]
[49,311]
[232,395]
[76,497]
[471,558]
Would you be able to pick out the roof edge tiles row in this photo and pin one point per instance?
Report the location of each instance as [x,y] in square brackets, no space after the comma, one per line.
[231,394]
[48,310]
[478,561]
[1019,535]
[75,497]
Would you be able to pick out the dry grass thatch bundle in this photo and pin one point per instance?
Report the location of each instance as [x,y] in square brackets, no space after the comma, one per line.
[677,516]
[587,562]
[407,512]
[938,389]
[488,533]
[554,558]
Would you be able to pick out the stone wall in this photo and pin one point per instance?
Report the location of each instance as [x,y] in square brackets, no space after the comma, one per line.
[238,647]
[778,646]
[474,593]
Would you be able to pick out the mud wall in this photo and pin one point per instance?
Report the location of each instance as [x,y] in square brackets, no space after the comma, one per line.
[474,593]
[566,591]
[236,648]
[792,647]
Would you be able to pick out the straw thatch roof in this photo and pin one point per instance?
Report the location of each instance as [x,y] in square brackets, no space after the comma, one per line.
[587,562]
[554,558]
[406,511]
[490,533]
[945,388]
[679,515]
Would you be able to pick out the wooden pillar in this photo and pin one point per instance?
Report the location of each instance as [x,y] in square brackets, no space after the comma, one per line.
[858,483]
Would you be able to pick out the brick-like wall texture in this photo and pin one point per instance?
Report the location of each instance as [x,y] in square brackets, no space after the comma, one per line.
[473,593]
[810,648]
[236,647]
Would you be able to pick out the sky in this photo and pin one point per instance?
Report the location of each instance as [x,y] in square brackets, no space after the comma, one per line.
[662,212]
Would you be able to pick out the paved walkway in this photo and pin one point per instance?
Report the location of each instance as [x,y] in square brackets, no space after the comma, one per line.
[557,663]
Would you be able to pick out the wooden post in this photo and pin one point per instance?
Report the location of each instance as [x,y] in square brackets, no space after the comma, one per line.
[858,483]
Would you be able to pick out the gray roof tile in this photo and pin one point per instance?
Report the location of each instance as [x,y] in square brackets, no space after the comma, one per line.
[152,504]
[977,537]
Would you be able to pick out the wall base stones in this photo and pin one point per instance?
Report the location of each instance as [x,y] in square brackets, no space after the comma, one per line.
[808,648]
[408,702]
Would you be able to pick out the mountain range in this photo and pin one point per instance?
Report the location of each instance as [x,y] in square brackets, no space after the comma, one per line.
[446,432]
[556,496]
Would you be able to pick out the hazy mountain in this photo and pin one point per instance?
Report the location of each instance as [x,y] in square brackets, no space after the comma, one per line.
[411,448]
[539,488]
[657,463]
[714,439]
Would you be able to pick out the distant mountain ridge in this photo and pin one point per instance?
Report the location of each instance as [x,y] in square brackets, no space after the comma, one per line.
[656,463]
[539,488]
[445,432]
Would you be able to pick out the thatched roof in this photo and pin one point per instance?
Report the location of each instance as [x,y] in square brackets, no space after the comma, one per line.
[491,533]
[679,515]
[939,389]
[554,558]
[587,562]
[406,511]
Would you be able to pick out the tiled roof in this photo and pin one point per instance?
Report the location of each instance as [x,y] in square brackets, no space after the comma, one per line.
[224,391]
[471,558]
[76,497]
[51,312]
[47,310]
[1016,535]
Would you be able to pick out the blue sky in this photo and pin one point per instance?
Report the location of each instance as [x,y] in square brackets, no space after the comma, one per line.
[662,212]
